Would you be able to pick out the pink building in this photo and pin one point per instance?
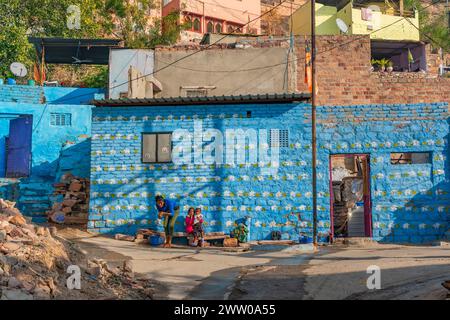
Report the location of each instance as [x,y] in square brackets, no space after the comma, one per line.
[216,16]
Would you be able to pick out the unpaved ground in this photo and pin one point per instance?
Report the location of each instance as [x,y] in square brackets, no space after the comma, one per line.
[183,273]
[341,273]
[335,272]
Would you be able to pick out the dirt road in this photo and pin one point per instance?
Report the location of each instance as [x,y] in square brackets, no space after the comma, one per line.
[335,272]
[341,273]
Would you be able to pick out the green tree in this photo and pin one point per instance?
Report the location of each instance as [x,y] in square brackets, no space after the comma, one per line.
[14,44]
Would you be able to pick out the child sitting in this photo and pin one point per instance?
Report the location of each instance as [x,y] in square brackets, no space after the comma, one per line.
[198,225]
[189,221]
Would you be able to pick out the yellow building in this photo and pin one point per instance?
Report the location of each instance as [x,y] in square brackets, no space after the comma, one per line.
[383,20]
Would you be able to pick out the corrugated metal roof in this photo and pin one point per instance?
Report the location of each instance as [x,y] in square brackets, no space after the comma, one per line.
[212,100]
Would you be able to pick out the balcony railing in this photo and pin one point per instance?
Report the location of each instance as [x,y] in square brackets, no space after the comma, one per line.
[389,11]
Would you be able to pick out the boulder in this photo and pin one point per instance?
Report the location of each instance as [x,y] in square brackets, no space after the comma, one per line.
[15,294]
[18,220]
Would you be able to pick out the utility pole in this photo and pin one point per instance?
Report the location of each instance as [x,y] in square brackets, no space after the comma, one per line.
[313,119]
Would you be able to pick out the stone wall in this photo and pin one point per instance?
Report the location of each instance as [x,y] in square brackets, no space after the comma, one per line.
[410,202]
[344,76]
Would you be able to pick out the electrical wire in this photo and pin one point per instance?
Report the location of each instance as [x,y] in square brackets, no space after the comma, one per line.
[191,54]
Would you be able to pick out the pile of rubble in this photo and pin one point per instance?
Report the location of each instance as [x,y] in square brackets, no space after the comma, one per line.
[34,264]
[74,207]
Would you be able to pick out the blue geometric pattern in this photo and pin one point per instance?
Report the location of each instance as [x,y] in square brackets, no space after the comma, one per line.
[410,203]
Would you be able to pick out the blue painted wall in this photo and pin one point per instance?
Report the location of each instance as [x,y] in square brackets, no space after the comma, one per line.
[55,149]
[411,203]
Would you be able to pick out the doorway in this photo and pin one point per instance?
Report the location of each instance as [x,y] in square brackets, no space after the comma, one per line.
[18,147]
[351,210]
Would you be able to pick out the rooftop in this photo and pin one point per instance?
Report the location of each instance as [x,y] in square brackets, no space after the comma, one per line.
[212,100]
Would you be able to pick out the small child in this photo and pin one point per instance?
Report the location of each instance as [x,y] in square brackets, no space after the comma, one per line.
[189,221]
[198,225]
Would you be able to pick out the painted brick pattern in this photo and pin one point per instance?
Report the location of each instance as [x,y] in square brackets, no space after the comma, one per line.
[410,202]
[21,94]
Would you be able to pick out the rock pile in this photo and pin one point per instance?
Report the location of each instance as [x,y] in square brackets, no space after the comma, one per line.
[34,264]
[74,207]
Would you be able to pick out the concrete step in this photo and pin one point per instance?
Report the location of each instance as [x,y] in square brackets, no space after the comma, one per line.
[356,241]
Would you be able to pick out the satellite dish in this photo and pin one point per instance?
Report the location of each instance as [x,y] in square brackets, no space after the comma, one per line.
[342,25]
[18,69]
[374,8]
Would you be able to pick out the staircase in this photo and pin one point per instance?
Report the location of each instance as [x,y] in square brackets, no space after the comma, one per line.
[34,199]
[356,227]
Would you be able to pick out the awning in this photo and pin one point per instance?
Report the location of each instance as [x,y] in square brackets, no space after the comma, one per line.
[208,100]
[75,51]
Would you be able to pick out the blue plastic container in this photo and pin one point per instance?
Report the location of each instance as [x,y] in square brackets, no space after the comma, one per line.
[11,81]
[305,239]
[2,81]
[155,240]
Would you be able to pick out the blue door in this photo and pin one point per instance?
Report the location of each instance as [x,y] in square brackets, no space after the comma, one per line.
[18,159]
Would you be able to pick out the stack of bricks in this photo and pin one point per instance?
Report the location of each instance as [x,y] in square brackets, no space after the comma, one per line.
[74,207]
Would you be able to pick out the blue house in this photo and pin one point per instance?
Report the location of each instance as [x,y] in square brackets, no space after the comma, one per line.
[44,133]
[250,157]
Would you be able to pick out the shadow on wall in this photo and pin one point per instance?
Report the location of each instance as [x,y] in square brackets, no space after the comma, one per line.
[426,216]
[34,194]
[71,96]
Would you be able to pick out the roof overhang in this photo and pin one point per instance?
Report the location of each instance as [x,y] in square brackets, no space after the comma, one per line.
[394,47]
[75,51]
[212,100]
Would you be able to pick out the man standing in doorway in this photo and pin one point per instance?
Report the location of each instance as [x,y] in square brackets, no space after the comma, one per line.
[170,211]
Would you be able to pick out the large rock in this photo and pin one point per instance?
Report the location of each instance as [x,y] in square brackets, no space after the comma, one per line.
[14,283]
[18,220]
[2,235]
[15,294]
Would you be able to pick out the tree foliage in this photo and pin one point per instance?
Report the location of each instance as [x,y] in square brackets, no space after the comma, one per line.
[132,21]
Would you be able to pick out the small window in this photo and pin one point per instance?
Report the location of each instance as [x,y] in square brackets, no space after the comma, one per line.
[156,147]
[410,158]
[219,28]
[279,138]
[197,25]
[61,119]
[196,92]
[210,27]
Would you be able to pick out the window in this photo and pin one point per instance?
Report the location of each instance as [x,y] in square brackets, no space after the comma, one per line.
[188,22]
[279,138]
[197,25]
[219,28]
[196,92]
[210,27]
[156,147]
[410,158]
[166,2]
[61,119]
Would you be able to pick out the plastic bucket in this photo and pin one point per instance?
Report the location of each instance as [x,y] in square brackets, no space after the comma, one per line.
[11,81]
[2,81]
[155,240]
[31,82]
[305,239]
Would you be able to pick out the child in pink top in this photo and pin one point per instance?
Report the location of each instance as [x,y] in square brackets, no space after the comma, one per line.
[189,221]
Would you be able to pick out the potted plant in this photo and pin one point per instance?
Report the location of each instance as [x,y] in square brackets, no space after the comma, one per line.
[374,64]
[390,67]
[383,64]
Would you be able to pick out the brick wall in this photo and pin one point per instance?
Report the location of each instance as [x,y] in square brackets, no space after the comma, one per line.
[344,76]
[410,202]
